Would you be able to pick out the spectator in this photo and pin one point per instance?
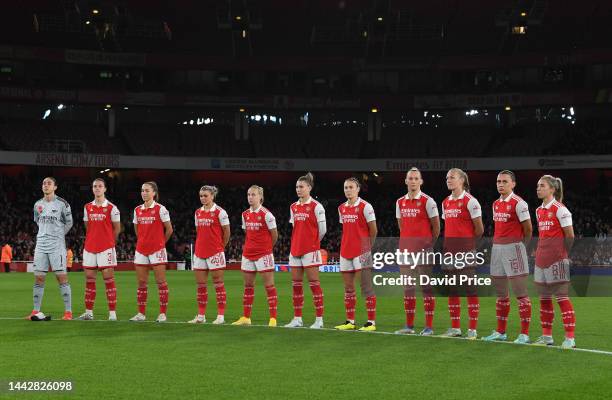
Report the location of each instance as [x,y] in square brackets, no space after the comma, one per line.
[7,256]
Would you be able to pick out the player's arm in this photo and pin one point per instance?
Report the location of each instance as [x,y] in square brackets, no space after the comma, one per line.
[117,229]
[478,227]
[135,222]
[398,217]
[565,221]
[67,216]
[373,229]
[85,218]
[435,228]
[271,224]
[225,226]
[527,231]
[475,211]
[321,221]
[168,230]
[226,234]
[568,232]
[116,221]
[274,234]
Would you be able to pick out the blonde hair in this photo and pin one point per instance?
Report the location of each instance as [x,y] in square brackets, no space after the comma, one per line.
[555,183]
[260,190]
[308,179]
[210,188]
[463,175]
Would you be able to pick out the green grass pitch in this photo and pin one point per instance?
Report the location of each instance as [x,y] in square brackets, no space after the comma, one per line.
[125,360]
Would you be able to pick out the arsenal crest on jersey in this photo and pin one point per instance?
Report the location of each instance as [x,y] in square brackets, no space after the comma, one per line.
[508,207]
[104,209]
[550,214]
[418,204]
[460,204]
[259,218]
[307,209]
[40,209]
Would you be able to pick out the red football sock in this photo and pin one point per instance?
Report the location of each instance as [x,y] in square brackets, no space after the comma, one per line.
[247,300]
[317,297]
[298,298]
[141,296]
[569,317]
[473,311]
[90,293]
[429,303]
[350,300]
[221,297]
[454,309]
[202,297]
[272,300]
[162,289]
[111,293]
[524,304]
[371,308]
[410,308]
[502,310]
[547,315]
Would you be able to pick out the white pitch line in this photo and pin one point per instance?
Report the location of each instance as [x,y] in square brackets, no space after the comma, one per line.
[595,351]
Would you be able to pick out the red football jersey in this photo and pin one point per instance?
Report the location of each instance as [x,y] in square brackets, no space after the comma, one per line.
[508,214]
[150,223]
[209,237]
[415,225]
[355,232]
[552,218]
[305,218]
[457,214]
[99,236]
[258,239]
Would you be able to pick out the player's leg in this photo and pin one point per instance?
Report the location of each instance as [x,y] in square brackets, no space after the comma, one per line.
[429,300]
[108,274]
[272,295]
[502,308]
[162,290]
[41,266]
[312,274]
[347,270]
[201,278]
[221,295]
[409,301]
[454,304]
[142,277]
[561,292]
[367,291]
[297,287]
[248,274]
[547,311]
[90,292]
[58,265]
[520,290]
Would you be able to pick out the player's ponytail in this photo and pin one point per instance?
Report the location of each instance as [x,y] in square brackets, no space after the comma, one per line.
[308,179]
[155,189]
[260,190]
[462,175]
[556,184]
[210,188]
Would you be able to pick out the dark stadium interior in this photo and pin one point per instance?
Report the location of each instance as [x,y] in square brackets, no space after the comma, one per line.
[365,79]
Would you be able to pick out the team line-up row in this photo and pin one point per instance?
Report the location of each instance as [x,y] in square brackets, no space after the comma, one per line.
[418,220]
